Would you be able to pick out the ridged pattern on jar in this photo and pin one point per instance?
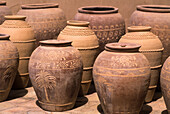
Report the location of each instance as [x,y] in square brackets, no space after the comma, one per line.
[46,22]
[22,36]
[86,42]
[8,67]
[108,27]
[165,83]
[121,81]
[158,19]
[152,48]
[55,73]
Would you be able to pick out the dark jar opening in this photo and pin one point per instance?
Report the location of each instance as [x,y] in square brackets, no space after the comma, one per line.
[2,3]
[40,6]
[98,9]
[122,47]
[4,37]
[139,28]
[56,43]
[78,23]
[154,8]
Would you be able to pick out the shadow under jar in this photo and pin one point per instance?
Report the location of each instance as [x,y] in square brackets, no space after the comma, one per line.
[55,69]
[121,76]
[105,21]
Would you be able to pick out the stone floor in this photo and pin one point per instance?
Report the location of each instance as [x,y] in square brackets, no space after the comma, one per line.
[25,102]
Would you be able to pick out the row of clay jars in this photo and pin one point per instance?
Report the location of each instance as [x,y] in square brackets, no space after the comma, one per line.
[22,36]
[86,42]
[121,75]
[151,47]
[55,69]
[156,16]
[165,83]
[8,65]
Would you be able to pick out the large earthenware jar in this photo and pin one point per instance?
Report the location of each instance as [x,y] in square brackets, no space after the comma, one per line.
[86,42]
[56,70]
[151,47]
[22,36]
[156,16]
[165,83]
[121,76]
[105,21]
[8,65]
[47,19]
[4,10]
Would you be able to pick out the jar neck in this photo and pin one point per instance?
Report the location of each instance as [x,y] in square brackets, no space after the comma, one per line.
[78,23]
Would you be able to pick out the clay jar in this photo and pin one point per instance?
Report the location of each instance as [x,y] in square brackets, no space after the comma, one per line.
[156,16]
[151,47]
[86,42]
[22,36]
[4,10]
[55,71]
[105,21]
[121,75]
[46,19]
[8,65]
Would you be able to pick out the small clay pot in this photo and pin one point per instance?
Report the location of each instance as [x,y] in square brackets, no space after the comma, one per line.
[47,20]
[165,83]
[121,75]
[105,21]
[55,69]
[151,47]
[8,65]
[86,42]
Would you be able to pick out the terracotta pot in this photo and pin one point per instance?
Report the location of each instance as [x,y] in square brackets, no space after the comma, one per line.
[105,21]
[151,47]
[121,75]
[46,19]
[86,42]
[4,10]
[165,83]
[22,36]
[55,71]
[156,16]
[8,65]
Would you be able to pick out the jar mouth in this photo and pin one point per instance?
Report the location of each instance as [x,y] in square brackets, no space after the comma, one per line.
[122,47]
[78,23]
[15,17]
[55,42]
[40,6]
[98,9]
[139,28]
[154,8]
[4,37]
[2,2]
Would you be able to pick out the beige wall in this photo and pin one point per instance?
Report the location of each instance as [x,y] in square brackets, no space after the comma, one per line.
[126,7]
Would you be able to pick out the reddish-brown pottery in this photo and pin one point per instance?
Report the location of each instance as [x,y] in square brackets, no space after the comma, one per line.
[151,47]
[22,35]
[86,42]
[165,83]
[8,65]
[4,10]
[156,16]
[121,76]
[47,19]
[105,21]
[55,69]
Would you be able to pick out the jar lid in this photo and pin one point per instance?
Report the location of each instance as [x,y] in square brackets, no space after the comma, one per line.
[154,8]
[4,37]
[15,17]
[98,9]
[139,28]
[2,2]
[78,23]
[122,47]
[60,43]
[40,6]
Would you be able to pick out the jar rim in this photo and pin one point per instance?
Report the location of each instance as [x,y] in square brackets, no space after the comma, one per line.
[98,9]
[40,6]
[4,36]
[55,42]
[2,2]
[78,23]
[15,17]
[154,8]
[138,28]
